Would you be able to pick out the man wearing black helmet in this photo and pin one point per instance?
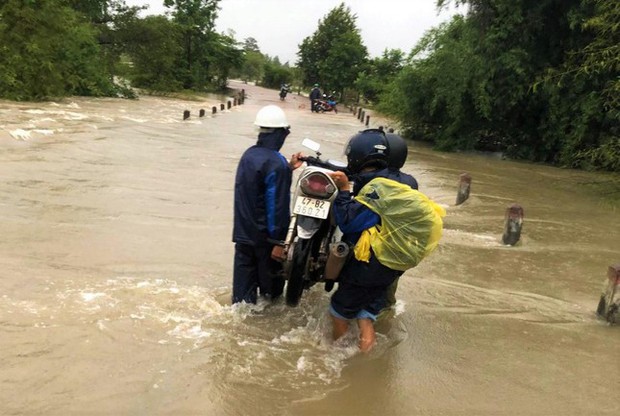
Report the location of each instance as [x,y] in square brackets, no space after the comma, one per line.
[396,160]
[363,285]
[315,95]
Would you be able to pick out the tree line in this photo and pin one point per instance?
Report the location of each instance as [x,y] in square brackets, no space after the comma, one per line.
[55,48]
[537,80]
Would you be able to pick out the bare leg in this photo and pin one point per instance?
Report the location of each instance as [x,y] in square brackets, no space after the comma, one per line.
[340,328]
[367,334]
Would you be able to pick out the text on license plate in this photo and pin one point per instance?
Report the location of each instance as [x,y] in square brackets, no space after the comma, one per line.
[311,207]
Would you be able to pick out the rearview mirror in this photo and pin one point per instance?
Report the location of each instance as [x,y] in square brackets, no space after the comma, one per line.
[311,144]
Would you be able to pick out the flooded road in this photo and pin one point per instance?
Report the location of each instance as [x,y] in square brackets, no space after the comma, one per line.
[116,270]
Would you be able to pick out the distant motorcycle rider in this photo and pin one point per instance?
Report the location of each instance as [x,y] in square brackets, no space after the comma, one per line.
[284,90]
[261,209]
[315,95]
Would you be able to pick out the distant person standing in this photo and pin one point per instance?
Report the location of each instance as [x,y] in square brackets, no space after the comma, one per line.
[315,95]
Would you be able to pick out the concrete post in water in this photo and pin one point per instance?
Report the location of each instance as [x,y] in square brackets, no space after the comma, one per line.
[234,102]
[222,107]
[464,187]
[185,114]
[367,121]
[201,113]
[514,223]
[213,110]
[609,305]
[228,104]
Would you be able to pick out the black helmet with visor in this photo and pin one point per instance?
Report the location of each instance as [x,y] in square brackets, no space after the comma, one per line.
[368,148]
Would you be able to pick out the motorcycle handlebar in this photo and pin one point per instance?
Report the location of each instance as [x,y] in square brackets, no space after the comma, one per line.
[315,161]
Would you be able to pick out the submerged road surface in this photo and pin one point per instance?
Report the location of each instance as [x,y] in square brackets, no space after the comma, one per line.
[116,270]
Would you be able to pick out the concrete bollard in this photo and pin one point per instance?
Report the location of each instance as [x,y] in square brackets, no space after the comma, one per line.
[464,188]
[513,225]
[359,113]
[363,116]
[201,113]
[234,102]
[609,305]
[367,121]
[228,104]
[222,107]
[185,114]
[213,110]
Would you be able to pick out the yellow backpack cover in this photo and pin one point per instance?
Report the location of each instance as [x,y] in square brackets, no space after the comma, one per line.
[410,229]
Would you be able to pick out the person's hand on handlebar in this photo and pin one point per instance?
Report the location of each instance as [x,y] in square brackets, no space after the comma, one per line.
[341,180]
[295,161]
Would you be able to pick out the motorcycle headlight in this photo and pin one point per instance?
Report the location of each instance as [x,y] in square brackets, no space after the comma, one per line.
[317,184]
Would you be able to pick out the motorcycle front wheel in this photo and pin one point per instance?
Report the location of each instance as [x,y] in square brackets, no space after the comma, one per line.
[299,265]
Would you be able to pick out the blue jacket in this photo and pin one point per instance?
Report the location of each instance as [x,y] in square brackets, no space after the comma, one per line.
[353,217]
[262,191]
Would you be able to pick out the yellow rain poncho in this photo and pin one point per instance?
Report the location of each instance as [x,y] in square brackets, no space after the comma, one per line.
[410,228]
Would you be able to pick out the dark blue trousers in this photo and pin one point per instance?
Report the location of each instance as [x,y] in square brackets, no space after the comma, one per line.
[363,285]
[255,272]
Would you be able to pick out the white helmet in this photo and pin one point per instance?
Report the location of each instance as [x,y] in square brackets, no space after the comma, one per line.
[271,116]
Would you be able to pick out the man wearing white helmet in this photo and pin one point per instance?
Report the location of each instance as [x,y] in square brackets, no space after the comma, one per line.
[261,212]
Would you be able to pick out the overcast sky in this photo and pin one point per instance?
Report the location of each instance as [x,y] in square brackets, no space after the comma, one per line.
[280,26]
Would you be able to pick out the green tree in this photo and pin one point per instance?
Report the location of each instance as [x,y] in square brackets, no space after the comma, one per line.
[536,79]
[584,93]
[334,54]
[377,75]
[47,50]
[276,74]
[196,18]
[226,56]
[252,68]
[155,45]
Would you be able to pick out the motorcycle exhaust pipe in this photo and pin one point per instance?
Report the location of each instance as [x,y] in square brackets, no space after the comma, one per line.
[338,254]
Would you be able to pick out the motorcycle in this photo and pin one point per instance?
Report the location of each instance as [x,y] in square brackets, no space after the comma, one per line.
[283,91]
[314,252]
[326,104]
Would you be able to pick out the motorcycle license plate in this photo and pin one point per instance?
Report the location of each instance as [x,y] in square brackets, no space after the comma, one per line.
[311,207]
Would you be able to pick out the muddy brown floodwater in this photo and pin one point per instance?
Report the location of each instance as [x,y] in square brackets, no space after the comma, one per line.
[116,270]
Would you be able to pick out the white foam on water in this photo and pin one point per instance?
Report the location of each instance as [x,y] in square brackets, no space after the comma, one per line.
[75,116]
[271,342]
[399,307]
[20,134]
[137,120]
[302,364]
[44,132]
[189,330]
[89,297]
